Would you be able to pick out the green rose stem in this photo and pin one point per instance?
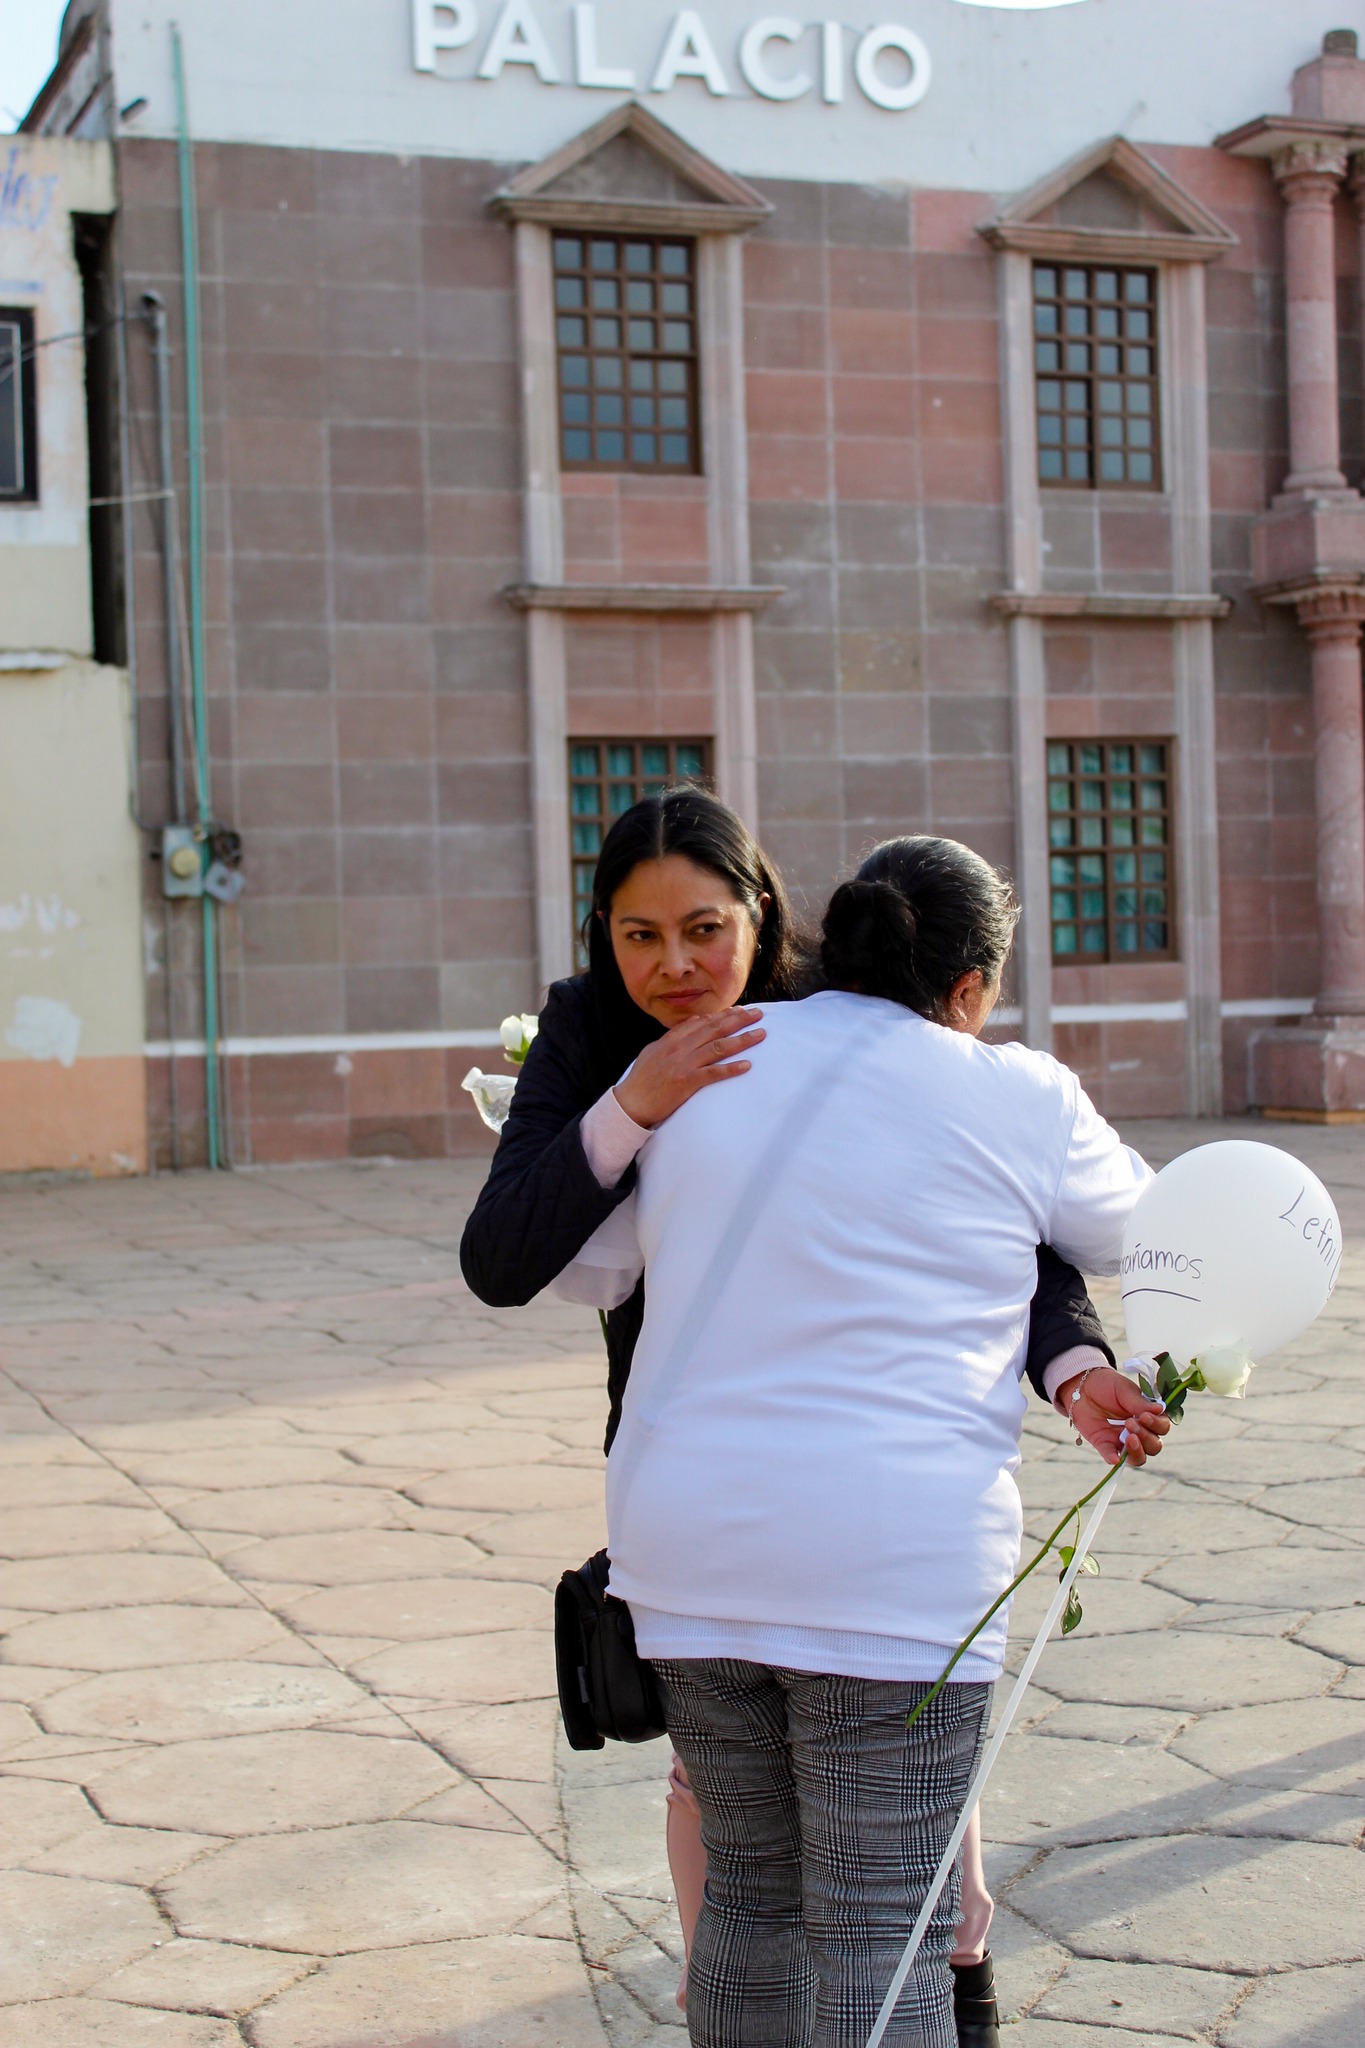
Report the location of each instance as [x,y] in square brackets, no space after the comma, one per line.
[1173,1391]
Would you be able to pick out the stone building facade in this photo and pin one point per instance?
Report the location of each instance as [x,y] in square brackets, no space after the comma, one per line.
[1001,502]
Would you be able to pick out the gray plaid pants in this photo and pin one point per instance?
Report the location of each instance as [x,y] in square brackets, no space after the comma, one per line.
[823,1822]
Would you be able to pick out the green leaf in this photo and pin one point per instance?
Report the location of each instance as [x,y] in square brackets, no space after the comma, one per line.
[1066,1552]
[1169,1377]
[1071,1619]
[1146,1386]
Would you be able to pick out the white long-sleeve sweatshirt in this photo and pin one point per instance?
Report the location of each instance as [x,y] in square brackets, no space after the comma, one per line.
[826,1477]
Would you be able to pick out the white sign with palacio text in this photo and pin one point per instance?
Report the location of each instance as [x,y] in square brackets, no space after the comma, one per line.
[776,56]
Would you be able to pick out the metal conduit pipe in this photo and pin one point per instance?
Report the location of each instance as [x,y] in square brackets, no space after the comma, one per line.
[155,307]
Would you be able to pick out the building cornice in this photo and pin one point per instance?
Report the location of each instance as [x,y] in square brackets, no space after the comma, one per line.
[1107,604]
[642,597]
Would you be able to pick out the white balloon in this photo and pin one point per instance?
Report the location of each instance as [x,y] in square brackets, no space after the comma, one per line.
[1233,1243]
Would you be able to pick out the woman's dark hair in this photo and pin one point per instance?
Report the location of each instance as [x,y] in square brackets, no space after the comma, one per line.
[919,913]
[692,822]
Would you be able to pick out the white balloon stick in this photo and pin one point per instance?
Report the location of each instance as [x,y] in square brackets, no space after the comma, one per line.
[987,1764]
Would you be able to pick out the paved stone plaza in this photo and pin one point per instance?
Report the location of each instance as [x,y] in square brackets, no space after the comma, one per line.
[281,1509]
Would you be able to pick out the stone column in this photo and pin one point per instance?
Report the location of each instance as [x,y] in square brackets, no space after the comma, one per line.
[1332,620]
[1309,175]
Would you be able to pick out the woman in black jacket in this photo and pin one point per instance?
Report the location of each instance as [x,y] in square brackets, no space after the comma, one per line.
[690,923]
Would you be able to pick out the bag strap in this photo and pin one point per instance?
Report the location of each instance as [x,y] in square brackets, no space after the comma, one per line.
[810,1102]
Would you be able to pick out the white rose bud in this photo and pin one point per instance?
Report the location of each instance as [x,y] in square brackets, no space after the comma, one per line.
[1226,1369]
[530,1025]
[510,1032]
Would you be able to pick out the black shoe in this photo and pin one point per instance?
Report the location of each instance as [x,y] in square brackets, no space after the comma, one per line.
[974,2006]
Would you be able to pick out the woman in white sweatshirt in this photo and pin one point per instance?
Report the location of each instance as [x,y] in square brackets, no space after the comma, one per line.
[812,1499]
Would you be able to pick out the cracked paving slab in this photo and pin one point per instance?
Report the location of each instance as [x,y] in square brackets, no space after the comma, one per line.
[279,1766]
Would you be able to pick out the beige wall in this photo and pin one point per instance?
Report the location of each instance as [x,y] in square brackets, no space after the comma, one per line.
[72,1073]
[72,1089]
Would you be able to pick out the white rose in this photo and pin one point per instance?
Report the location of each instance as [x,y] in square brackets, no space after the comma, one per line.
[1226,1369]
[530,1025]
[511,1031]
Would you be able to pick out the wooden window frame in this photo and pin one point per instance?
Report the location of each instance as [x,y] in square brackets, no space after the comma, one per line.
[642,780]
[1089,395]
[21,320]
[1110,848]
[602,361]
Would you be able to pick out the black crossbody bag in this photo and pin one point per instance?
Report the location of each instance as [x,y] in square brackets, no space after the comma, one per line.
[607,1691]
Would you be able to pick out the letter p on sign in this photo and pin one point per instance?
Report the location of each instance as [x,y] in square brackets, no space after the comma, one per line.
[441,25]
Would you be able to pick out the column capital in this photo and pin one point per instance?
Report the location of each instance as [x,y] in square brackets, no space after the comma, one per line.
[1308,172]
[1332,613]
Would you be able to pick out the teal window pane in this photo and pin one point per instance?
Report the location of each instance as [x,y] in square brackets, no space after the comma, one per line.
[672,376]
[642,413]
[1060,832]
[1045,320]
[1092,903]
[573,370]
[1121,796]
[639,295]
[1154,831]
[620,760]
[1064,903]
[1064,938]
[673,448]
[1153,796]
[1111,467]
[1141,469]
[1073,284]
[639,256]
[1044,282]
[1120,760]
[1092,831]
[1139,433]
[1125,937]
[569,293]
[1092,796]
[1111,433]
[675,259]
[577,445]
[1125,903]
[1154,867]
[606,294]
[577,408]
[1092,869]
[1111,397]
[1125,867]
[1058,759]
[572,332]
[678,335]
[1152,760]
[611,447]
[1059,796]
[1139,362]
[1107,361]
[1063,870]
[1137,286]
[585,761]
[641,376]
[587,838]
[1120,831]
[568,253]
[604,256]
[606,373]
[654,788]
[1047,355]
[1078,468]
[1154,902]
[586,800]
[641,333]
[620,797]
[1092,938]
[643,447]
[1049,430]
[1092,760]
[606,333]
[1050,465]
[1156,937]
[654,760]
[690,761]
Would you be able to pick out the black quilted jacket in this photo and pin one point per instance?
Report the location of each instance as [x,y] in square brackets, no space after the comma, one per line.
[541,1202]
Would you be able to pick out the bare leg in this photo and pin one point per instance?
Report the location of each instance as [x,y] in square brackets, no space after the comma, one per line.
[686,1860]
[977,1904]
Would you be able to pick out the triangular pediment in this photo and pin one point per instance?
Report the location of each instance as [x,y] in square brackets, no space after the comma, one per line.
[630,170]
[1110,202]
